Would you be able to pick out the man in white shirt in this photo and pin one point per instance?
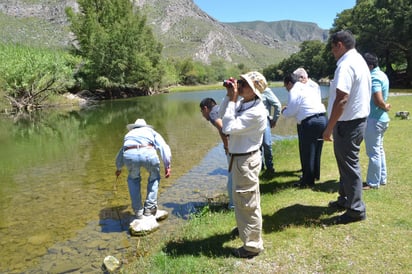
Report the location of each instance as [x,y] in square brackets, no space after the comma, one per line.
[305,106]
[245,121]
[314,88]
[350,93]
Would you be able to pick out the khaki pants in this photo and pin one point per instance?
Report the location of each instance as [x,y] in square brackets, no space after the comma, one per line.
[246,197]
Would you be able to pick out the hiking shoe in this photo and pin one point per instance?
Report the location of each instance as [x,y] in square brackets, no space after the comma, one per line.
[150,211]
[243,253]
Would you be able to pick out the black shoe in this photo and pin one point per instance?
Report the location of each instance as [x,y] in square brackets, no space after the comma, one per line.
[243,253]
[268,174]
[300,184]
[346,219]
[336,205]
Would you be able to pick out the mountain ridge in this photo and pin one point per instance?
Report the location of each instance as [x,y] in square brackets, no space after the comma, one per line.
[180,25]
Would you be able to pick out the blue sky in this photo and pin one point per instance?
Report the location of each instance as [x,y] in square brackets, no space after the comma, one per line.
[321,12]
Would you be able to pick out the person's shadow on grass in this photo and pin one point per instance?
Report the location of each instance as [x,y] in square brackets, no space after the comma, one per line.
[273,186]
[296,215]
[211,246]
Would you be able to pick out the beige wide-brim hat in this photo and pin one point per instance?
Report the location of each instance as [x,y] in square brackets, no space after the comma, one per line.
[256,81]
[137,124]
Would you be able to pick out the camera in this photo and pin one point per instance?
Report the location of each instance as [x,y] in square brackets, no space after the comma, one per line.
[228,83]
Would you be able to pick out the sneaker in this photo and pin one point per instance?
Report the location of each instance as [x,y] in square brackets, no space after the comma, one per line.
[243,253]
[366,186]
[150,211]
[139,214]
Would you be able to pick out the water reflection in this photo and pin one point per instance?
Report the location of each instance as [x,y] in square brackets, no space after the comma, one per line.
[57,167]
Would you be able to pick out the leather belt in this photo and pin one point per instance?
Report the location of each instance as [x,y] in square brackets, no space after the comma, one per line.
[313,116]
[244,154]
[233,155]
[137,147]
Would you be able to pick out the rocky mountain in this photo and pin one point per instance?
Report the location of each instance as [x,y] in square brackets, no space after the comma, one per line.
[182,27]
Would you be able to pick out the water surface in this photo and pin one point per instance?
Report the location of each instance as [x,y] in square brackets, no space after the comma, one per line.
[57,173]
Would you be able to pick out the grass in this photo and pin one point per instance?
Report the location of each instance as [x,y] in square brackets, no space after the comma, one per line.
[297,235]
[210,87]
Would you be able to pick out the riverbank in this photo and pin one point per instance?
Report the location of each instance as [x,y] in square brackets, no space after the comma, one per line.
[297,233]
[84,253]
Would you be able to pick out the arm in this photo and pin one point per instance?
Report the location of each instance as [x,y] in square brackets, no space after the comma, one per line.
[275,103]
[337,110]
[292,108]
[165,153]
[119,162]
[378,100]
[219,125]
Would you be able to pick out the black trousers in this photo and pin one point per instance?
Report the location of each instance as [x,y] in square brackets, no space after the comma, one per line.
[310,132]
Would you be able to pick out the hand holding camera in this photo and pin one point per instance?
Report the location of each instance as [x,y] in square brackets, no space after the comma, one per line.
[232,88]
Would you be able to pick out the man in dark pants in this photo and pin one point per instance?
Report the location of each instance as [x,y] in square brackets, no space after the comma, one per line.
[309,112]
[348,107]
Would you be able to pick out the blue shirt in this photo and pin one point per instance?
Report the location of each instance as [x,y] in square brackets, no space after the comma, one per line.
[145,136]
[380,83]
[270,100]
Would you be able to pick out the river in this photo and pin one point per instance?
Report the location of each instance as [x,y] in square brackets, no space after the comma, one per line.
[61,209]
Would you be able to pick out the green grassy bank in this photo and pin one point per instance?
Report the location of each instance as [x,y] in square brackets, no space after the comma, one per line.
[297,235]
[210,87]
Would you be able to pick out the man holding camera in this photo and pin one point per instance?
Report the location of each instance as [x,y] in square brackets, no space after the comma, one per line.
[245,121]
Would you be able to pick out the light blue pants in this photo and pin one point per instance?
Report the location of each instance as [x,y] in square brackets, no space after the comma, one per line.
[377,173]
[135,159]
[267,147]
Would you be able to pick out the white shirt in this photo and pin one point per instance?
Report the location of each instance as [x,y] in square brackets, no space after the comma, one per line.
[303,101]
[352,76]
[244,123]
[315,87]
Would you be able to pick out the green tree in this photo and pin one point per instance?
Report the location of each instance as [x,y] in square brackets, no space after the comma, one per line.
[29,76]
[309,57]
[118,47]
[385,28]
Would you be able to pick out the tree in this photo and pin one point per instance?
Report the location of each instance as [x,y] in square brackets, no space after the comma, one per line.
[309,57]
[29,76]
[118,47]
[385,28]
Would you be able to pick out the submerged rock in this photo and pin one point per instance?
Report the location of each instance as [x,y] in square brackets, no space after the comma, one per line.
[111,263]
[147,224]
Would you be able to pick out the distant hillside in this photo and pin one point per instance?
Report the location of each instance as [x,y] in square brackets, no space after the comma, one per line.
[285,30]
[180,25]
